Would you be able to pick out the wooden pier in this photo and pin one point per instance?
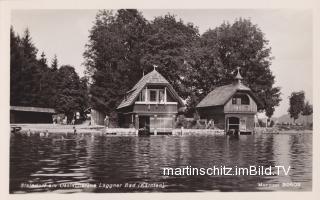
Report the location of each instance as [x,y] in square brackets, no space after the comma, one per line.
[42,129]
[183,132]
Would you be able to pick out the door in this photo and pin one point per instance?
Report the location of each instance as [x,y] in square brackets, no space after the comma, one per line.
[233,123]
[144,124]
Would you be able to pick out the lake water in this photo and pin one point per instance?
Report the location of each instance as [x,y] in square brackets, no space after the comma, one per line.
[113,163]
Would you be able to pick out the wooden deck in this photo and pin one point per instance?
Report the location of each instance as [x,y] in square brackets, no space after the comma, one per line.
[182,132]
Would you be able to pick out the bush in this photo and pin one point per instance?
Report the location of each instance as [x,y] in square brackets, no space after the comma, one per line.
[190,123]
[181,121]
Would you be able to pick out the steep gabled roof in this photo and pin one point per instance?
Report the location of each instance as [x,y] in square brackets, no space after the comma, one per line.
[151,78]
[221,95]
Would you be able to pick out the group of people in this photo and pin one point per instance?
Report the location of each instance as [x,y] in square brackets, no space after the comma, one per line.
[57,119]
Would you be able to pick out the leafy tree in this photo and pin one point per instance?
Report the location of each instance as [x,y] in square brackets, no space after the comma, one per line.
[307,109]
[296,101]
[220,51]
[70,92]
[113,55]
[272,123]
[123,45]
[205,71]
[167,46]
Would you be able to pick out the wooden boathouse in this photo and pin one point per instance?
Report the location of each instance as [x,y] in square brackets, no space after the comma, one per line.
[150,106]
[27,114]
[232,107]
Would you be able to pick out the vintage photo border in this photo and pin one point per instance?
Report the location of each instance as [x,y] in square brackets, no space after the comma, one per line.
[5,18]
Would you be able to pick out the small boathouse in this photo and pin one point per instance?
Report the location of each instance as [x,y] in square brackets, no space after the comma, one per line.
[232,107]
[24,114]
[150,106]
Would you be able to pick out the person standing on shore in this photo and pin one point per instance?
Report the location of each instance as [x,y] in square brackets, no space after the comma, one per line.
[106,121]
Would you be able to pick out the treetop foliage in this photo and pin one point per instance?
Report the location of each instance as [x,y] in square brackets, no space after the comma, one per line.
[298,105]
[123,45]
[34,83]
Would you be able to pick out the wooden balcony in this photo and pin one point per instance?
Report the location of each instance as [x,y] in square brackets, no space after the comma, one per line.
[240,108]
[152,108]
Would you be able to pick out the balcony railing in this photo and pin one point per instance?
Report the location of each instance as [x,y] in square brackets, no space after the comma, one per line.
[154,102]
[240,108]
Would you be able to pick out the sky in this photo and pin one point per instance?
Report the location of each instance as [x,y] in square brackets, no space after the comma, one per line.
[65,33]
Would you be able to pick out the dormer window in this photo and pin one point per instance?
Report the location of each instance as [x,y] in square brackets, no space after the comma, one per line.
[240,99]
[142,95]
[234,100]
[153,95]
[161,96]
[156,95]
[245,100]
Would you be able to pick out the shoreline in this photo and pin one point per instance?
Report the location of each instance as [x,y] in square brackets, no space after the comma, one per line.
[99,129]
[296,132]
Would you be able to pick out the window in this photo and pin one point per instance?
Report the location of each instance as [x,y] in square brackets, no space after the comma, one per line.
[153,95]
[245,100]
[241,99]
[234,100]
[142,95]
[161,96]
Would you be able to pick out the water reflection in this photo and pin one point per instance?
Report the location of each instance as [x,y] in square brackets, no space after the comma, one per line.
[115,160]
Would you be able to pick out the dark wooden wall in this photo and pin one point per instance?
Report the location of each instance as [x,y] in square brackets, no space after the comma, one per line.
[23,117]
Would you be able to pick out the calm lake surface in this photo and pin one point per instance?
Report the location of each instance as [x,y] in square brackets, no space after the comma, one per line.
[111,163]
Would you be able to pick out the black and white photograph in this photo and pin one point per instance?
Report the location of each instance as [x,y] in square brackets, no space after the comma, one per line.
[134,100]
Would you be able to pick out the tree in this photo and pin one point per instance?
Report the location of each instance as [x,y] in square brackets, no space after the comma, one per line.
[16,61]
[124,45]
[70,92]
[43,60]
[296,101]
[307,111]
[45,84]
[221,50]
[25,71]
[54,63]
[33,83]
[167,46]
[29,50]
[113,56]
